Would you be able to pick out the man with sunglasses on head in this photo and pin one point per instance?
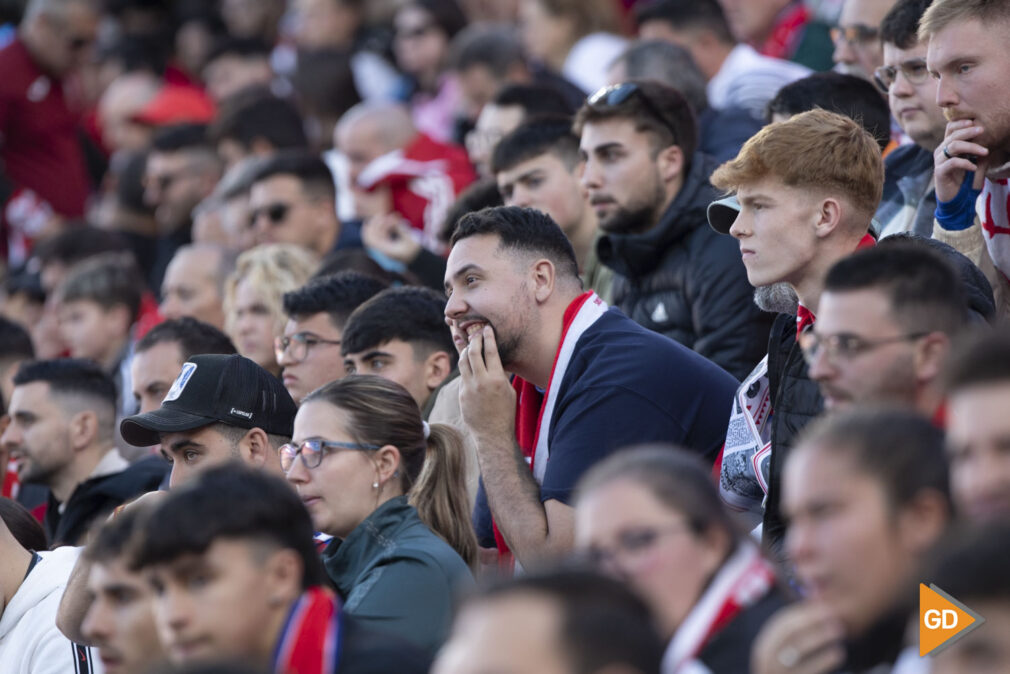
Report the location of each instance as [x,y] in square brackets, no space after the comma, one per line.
[43,179]
[650,190]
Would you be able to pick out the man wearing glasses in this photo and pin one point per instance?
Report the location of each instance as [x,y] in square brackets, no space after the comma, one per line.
[858,49]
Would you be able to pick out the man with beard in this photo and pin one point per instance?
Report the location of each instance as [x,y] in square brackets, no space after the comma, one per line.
[587,382]
[650,190]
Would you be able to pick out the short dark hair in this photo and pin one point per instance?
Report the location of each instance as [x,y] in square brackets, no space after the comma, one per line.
[668,63]
[493,46]
[923,290]
[109,279]
[69,376]
[522,229]
[180,137]
[900,26]
[193,337]
[261,116]
[481,194]
[411,314]
[15,342]
[846,95]
[970,563]
[687,15]
[309,169]
[677,127]
[338,295]
[534,138]
[446,14]
[231,502]
[324,83]
[111,538]
[77,244]
[239,47]
[534,99]
[602,621]
[982,360]
[27,530]
[898,447]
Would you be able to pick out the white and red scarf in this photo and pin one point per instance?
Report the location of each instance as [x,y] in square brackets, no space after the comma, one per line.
[993,208]
[534,409]
[741,582]
[313,636]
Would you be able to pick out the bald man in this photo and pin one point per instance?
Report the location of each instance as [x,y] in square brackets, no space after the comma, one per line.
[125,96]
[194,283]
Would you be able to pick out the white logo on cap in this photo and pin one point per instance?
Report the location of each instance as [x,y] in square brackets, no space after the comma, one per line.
[180,382]
[240,413]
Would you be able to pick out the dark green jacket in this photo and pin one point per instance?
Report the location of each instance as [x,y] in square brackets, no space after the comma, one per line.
[395,575]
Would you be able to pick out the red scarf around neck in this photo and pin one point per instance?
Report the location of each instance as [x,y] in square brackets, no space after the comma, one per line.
[312,637]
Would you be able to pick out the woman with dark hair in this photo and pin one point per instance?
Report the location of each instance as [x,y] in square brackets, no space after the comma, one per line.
[391,492]
[652,517]
[26,529]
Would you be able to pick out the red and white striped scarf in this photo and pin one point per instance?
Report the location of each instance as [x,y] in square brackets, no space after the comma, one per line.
[312,637]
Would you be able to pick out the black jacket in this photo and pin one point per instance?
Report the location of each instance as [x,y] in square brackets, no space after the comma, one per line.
[98,496]
[682,279]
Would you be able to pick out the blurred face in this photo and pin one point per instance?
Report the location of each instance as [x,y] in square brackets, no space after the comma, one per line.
[913,104]
[396,361]
[90,331]
[254,326]
[844,539]
[517,634]
[418,43]
[120,620]
[984,651]
[621,176]
[775,229]
[362,143]
[338,493]
[235,222]
[281,212]
[68,38]
[313,356]
[324,23]
[869,371]
[173,185]
[479,85]
[192,452]
[857,47]
[229,74]
[978,437]
[191,288]
[487,288]
[546,184]
[493,122]
[642,541]
[153,372]
[126,96]
[752,20]
[218,604]
[38,436]
[547,37]
[971,60]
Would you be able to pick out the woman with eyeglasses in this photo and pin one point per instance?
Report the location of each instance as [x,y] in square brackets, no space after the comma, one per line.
[652,517]
[391,492]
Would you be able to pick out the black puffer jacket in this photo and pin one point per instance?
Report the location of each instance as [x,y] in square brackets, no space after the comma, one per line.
[682,279]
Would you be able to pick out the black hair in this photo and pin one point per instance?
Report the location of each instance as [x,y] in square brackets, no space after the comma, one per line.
[23,526]
[899,448]
[231,502]
[358,260]
[240,47]
[900,26]
[137,53]
[109,279]
[324,83]
[308,168]
[76,244]
[413,315]
[677,126]
[524,230]
[603,623]
[15,342]
[668,63]
[69,376]
[478,195]
[923,290]
[447,14]
[338,295]
[534,99]
[192,336]
[492,46]
[180,137]
[970,563]
[534,138]
[982,360]
[846,95]
[687,15]
[111,538]
[263,116]
[28,284]
[129,169]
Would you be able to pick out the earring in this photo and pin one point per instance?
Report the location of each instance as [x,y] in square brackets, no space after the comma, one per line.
[375,485]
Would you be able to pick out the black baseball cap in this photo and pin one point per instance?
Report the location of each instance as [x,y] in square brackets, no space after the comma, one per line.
[212,388]
[722,213]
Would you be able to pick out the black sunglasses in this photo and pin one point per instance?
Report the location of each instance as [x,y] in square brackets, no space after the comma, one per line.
[276,213]
[616,94]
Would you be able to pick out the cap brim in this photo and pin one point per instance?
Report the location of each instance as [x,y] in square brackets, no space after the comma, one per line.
[143,430]
[723,213]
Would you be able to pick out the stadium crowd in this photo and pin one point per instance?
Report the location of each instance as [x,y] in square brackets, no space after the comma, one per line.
[502,336]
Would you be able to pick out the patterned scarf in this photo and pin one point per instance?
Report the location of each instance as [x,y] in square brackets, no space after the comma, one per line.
[311,640]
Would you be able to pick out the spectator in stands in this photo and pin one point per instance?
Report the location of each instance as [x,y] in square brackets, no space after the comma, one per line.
[265,598]
[317,314]
[159,356]
[292,200]
[61,435]
[736,75]
[259,124]
[15,348]
[220,409]
[396,505]
[194,283]
[721,131]
[235,64]
[513,287]
[253,304]
[126,96]
[806,189]
[858,45]
[566,622]
[231,199]
[784,29]
[652,517]
[400,335]
[325,90]
[867,496]
[650,190]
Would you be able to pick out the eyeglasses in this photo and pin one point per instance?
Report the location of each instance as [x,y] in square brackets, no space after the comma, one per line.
[631,542]
[312,452]
[915,71]
[276,212]
[298,345]
[845,346]
[854,35]
[616,94]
